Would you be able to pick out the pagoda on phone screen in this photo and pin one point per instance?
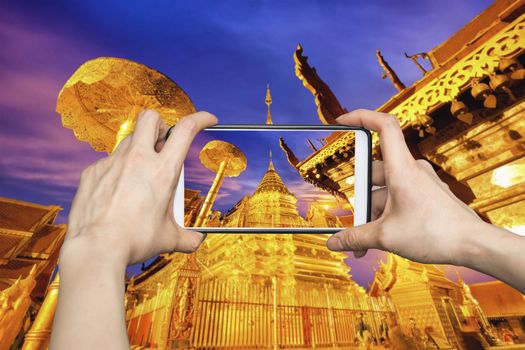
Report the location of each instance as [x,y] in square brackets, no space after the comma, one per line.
[271,205]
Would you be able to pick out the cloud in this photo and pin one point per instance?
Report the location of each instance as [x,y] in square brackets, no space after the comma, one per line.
[35,148]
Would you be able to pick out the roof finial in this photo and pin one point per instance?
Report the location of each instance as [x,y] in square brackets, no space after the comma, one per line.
[270,165]
[268,102]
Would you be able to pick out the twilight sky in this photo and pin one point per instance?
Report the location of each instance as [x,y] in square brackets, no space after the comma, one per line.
[222,53]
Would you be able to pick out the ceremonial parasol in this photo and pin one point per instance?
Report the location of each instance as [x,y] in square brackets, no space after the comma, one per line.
[101,100]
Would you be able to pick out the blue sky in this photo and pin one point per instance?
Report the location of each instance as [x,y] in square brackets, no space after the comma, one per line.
[222,53]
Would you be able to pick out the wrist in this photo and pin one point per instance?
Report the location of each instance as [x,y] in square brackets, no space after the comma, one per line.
[89,253]
[478,243]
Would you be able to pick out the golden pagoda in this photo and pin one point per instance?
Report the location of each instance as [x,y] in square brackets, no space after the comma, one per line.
[271,205]
[253,291]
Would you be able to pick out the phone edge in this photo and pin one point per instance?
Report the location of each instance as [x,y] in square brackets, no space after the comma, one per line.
[278,230]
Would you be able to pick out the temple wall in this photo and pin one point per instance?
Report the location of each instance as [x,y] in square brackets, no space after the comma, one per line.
[490,159]
[413,299]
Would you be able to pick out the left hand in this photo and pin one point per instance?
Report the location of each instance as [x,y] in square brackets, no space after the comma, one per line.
[124,204]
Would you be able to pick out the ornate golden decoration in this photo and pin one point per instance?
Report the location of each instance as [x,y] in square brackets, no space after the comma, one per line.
[344,142]
[328,107]
[14,302]
[104,96]
[389,72]
[268,101]
[38,336]
[480,63]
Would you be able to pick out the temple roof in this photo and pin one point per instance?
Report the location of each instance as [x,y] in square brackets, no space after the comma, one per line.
[498,299]
[464,42]
[28,237]
[25,216]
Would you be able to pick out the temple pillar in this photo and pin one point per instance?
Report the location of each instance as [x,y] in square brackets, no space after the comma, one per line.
[37,338]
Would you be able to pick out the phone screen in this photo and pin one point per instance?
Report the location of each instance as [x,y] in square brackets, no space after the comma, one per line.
[270,178]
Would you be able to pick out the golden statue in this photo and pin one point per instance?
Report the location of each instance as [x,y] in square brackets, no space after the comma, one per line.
[14,302]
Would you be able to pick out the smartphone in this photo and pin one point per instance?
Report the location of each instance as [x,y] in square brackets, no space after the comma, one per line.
[275,179]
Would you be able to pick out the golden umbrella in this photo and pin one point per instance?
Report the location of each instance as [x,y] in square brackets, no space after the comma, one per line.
[224,159]
[101,100]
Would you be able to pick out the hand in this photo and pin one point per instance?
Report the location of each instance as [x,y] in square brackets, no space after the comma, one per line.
[414,214]
[125,202]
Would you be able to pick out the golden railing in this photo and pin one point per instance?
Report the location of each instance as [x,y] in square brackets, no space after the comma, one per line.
[242,317]
[229,315]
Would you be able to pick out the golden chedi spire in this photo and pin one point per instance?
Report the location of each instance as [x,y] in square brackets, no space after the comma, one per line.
[272,204]
[268,102]
[272,182]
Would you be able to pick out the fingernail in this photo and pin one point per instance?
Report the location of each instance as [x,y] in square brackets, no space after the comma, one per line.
[359,253]
[334,243]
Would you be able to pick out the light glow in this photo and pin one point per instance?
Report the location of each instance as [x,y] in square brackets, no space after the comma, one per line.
[508,175]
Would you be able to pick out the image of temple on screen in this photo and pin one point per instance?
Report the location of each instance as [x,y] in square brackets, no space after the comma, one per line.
[254,178]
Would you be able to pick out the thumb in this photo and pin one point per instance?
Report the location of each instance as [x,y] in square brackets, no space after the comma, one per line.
[189,240]
[357,239]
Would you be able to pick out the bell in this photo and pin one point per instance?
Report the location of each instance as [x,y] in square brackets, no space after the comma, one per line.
[424,124]
[460,111]
[501,82]
[513,67]
[481,91]
[507,65]
[430,130]
[498,81]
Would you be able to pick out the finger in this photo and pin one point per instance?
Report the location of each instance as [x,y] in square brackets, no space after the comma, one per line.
[123,145]
[378,173]
[392,141]
[189,240]
[182,134]
[163,134]
[379,198]
[360,253]
[358,238]
[146,130]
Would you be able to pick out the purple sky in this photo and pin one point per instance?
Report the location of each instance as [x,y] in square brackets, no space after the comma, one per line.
[222,53]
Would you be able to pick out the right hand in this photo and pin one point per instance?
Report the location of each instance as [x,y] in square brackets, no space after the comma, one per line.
[414,214]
